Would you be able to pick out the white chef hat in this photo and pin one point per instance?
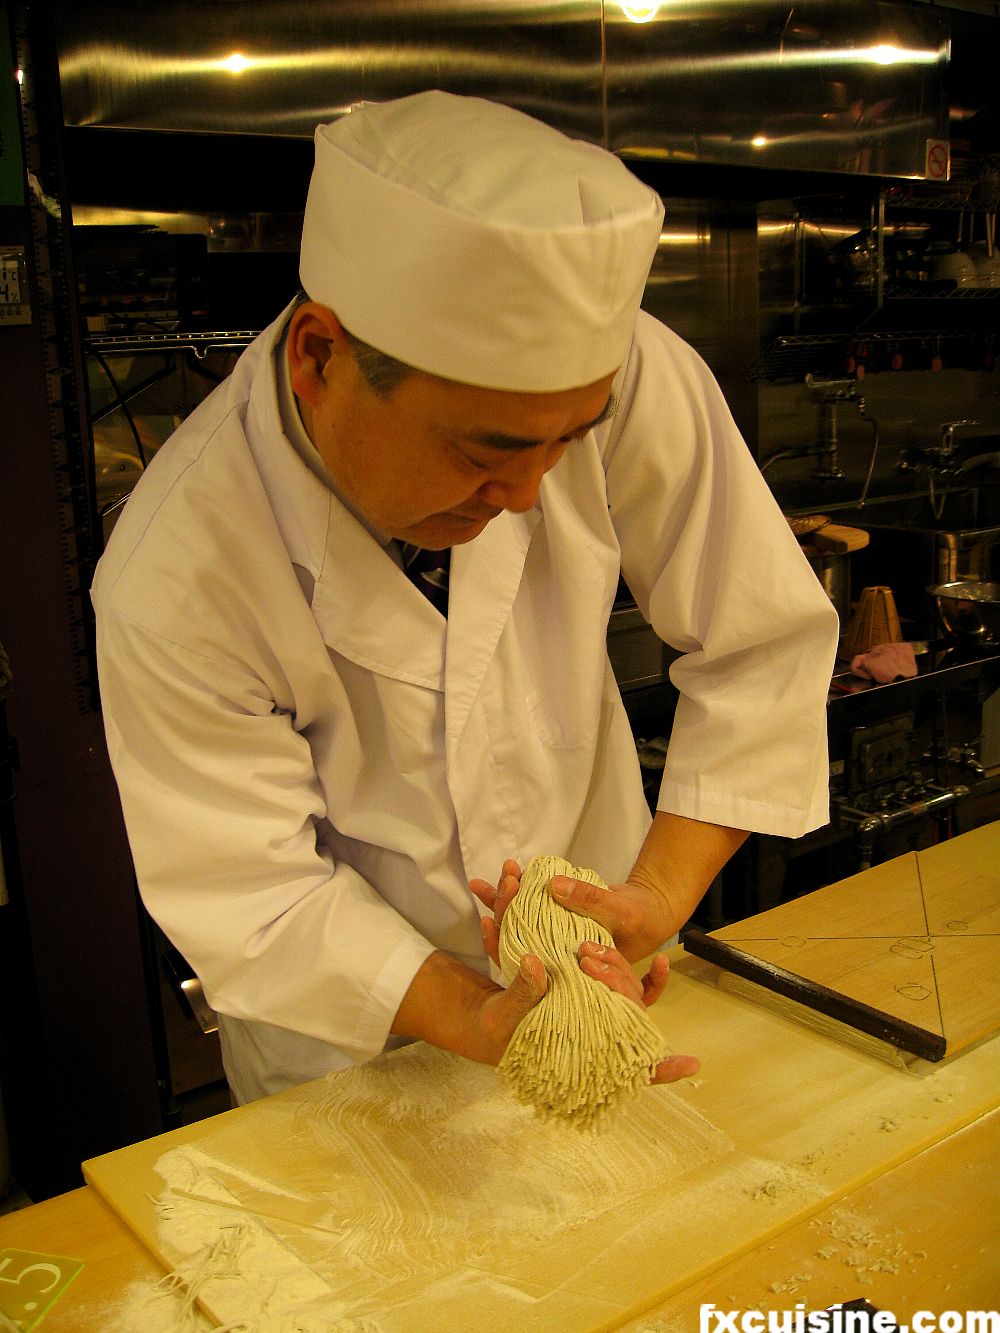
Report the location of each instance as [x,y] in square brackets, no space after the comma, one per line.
[476,243]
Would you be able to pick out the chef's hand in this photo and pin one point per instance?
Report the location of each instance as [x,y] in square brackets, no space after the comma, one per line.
[604,963]
[638,920]
[452,1006]
[677,863]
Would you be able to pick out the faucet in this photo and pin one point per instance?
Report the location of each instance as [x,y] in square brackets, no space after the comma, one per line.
[978,460]
[829,394]
[948,429]
[940,458]
[939,461]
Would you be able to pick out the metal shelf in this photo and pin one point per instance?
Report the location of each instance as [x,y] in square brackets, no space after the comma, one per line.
[200,344]
[950,198]
[959,294]
[795,355]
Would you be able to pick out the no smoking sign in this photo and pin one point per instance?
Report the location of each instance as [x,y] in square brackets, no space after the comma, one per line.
[937,160]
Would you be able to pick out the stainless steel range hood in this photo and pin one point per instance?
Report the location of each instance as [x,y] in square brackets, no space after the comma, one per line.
[827,85]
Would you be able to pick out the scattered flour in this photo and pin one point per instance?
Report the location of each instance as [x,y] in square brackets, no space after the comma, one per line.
[389,1185]
[853,1243]
[144,1307]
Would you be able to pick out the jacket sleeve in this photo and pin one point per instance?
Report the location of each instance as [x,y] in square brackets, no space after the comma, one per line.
[222,802]
[716,571]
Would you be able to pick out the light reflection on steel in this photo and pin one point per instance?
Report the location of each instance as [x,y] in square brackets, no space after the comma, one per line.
[837,85]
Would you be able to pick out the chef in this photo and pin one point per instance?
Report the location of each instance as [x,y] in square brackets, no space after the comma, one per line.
[315,753]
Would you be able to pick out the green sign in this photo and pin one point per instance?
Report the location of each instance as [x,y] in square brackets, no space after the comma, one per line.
[30,1283]
[11,164]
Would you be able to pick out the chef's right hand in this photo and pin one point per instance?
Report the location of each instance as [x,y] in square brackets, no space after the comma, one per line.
[454,1007]
[501,1013]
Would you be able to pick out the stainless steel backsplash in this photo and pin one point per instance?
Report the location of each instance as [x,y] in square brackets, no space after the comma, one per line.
[834,85]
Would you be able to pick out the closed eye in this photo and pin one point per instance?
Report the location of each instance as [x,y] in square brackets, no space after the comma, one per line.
[490,439]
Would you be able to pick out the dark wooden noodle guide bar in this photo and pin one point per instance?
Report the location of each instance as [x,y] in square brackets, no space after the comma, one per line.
[907,952]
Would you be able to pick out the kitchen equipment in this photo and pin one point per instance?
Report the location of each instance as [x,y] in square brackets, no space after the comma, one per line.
[907,259]
[835,538]
[807,524]
[875,620]
[827,547]
[987,262]
[969,610]
[834,574]
[855,262]
[639,658]
[954,269]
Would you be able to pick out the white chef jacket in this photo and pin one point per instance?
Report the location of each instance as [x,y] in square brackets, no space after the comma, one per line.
[313,762]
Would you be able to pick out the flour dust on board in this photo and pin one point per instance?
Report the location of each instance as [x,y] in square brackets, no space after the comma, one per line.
[408,1187]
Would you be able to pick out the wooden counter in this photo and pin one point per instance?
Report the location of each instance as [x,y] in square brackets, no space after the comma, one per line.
[828,1174]
[80,1225]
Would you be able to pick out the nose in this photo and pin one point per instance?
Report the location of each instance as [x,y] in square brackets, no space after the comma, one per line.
[515,485]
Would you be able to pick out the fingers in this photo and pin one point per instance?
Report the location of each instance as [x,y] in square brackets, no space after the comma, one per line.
[608,966]
[655,981]
[523,993]
[496,897]
[619,908]
[613,968]
[501,1011]
[507,886]
[634,914]
[581,896]
[676,1067]
[491,938]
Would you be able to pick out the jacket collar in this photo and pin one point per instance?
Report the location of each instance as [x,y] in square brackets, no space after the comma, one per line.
[364,605]
[368,610]
[486,574]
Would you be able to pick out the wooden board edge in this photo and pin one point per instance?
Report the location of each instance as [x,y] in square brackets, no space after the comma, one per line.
[896,1031]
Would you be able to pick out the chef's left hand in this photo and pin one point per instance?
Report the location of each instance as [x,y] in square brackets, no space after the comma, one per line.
[637,917]
[602,962]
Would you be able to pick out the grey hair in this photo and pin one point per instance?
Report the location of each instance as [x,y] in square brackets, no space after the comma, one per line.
[380,371]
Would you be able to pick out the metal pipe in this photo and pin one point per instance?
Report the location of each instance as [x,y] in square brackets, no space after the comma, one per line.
[868,825]
[787,453]
[874,453]
[978,460]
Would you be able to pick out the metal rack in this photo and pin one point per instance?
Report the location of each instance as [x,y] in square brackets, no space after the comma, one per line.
[201,344]
[193,348]
[794,355]
[966,320]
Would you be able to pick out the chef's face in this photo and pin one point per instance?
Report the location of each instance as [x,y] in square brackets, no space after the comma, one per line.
[432,461]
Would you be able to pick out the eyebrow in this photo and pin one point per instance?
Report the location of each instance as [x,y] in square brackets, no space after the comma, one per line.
[494,439]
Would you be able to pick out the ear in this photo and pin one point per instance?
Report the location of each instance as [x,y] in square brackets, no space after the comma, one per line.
[316,345]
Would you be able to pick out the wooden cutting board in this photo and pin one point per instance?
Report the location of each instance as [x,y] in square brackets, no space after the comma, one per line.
[284,1206]
[411,1193]
[907,952]
[835,539]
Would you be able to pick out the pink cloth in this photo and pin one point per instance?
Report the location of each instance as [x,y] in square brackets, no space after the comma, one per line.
[886,662]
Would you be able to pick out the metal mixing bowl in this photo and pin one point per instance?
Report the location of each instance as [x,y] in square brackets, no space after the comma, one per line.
[969,611]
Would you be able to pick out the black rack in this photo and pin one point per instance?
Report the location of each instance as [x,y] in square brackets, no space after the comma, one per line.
[201,344]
